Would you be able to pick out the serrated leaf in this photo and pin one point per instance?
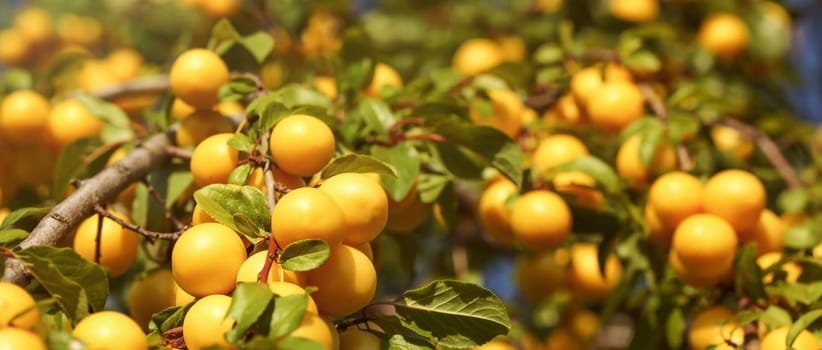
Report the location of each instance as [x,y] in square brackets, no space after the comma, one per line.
[288,314]
[456,314]
[12,237]
[72,164]
[304,255]
[22,213]
[221,202]
[296,343]
[76,284]
[494,147]
[116,125]
[801,323]
[594,167]
[405,160]
[259,44]
[240,174]
[248,302]
[357,163]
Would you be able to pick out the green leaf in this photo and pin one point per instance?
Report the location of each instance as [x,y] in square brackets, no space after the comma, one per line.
[270,110]
[169,318]
[288,314]
[248,302]
[294,95]
[801,323]
[793,200]
[802,236]
[240,174]
[377,116]
[649,144]
[304,255]
[459,161]
[643,60]
[22,213]
[76,284]
[405,160]
[748,273]
[456,314]
[241,142]
[594,167]
[178,183]
[674,328]
[490,144]
[12,237]
[223,37]
[775,317]
[237,88]
[72,164]
[296,343]
[259,44]
[357,163]
[247,228]
[116,125]
[63,340]
[431,186]
[221,202]
[401,342]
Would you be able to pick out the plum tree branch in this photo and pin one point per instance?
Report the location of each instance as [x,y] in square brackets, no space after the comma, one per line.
[769,148]
[145,85]
[102,188]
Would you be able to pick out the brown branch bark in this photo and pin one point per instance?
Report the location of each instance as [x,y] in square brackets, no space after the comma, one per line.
[102,188]
[769,148]
[144,85]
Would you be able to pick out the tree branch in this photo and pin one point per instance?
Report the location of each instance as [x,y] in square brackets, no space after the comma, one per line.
[769,148]
[102,188]
[145,85]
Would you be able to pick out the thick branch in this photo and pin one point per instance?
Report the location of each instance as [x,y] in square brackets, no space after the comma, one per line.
[769,148]
[144,85]
[102,188]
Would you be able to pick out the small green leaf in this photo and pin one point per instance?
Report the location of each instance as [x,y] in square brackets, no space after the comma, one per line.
[76,284]
[12,237]
[259,44]
[775,317]
[456,314]
[240,174]
[72,164]
[223,37]
[643,60]
[178,183]
[295,95]
[288,314]
[802,236]
[793,200]
[116,124]
[748,273]
[406,161]
[247,228]
[431,186]
[22,213]
[801,323]
[674,328]
[62,340]
[241,142]
[649,144]
[357,163]
[222,201]
[304,255]
[169,318]
[248,302]
[401,342]
[296,343]
[594,167]
[237,88]
[377,116]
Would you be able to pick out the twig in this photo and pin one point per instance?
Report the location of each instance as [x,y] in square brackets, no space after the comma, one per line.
[769,149]
[682,157]
[179,226]
[98,238]
[136,228]
[177,152]
[144,85]
[274,248]
[102,188]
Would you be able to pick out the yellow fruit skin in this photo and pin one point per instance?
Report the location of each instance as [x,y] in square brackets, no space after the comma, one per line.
[506,115]
[540,219]
[354,338]
[23,117]
[705,244]
[768,234]
[586,82]
[580,187]
[561,339]
[205,324]
[301,144]
[584,276]
[792,269]
[557,149]
[538,276]
[495,344]
[199,216]
[730,140]
[493,213]
[658,234]
[35,24]
[213,160]
[69,121]
[308,213]
[688,277]
[15,338]
[219,8]
[711,327]
[408,214]
[724,34]
[384,75]
[674,197]
[285,289]
[476,56]
[327,86]
[181,297]
[151,294]
[110,330]
[199,125]
[363,203]
[630,166]
[346,282]
[615,104]
[195,77]
[315,327]
[736,196]
[118,249]
[14,300]
[180,110]
[775,340]
[124,63]
[637,11]
[254,264]
[193,261]
[15,48]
